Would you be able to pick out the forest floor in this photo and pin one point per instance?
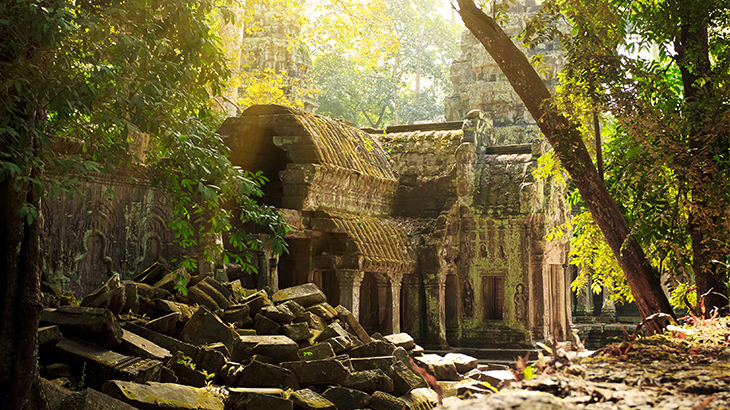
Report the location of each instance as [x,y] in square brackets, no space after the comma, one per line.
[687,367]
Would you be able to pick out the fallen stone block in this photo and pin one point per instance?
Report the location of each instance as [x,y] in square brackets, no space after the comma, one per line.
[384,401]
[100,364]
[90,399]
[402,356]
[463,363]
[306,399]
[238,315]
[313,321]
[373,349]
[139,346]
[494,377]
[256,301]
[279,314]
[316,352]
[347,317]
[340,344]
[294,307]
[371,363]
[297,331]
[333,330]
[404,379]
[165,323]
[237,291]
[265,326]
[186,371]
[168,306]
[175,279]
[323,310]
[421,398]
[205,327]
[199,295]
[369,381]
[152,274]
[347,399]
[48,336]
[110,296]
[55,394]
[441,368]
[257,374]
[279,348]
[164,341]
[306,295]
[93,324]
[243,398]
[154,396]
[403,340]
[327,371]
[131,303]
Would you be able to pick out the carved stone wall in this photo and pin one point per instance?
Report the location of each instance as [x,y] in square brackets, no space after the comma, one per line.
[116,227]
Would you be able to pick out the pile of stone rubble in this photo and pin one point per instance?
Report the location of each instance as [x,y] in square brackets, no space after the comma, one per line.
[220,346]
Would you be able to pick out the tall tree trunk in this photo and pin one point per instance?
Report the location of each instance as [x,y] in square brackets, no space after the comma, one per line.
[693,60]
[567,142]
[20,293]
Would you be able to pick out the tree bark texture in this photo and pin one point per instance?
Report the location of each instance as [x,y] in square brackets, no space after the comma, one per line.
[20,295]
[567,142]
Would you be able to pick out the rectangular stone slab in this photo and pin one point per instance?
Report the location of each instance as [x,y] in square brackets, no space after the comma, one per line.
[94,324]
[328,371]
[306,295]
[279,348]
[102,364]
[139,346]
[164,341]
[153,396]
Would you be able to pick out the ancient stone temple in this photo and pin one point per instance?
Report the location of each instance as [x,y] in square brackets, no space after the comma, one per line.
[433,229]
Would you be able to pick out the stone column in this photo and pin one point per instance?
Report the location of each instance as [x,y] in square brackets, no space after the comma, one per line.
[384,303]
[350,280]
[436,311]
[395,284]
[411,305]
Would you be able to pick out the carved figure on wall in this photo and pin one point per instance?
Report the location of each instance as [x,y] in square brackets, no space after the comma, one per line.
[151,253]
[93,267]
[520,302]
[467,294]
[483,251]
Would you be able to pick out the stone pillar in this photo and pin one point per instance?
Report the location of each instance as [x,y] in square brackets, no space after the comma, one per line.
[583,298]
[395,284]
[436,311]
[273,278]
[411,305]
[350,280]
[384,303]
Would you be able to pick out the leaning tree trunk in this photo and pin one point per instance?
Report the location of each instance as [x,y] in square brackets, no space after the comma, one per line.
[21,305]
[568,145]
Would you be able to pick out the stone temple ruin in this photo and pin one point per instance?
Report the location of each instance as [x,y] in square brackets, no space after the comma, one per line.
[437,230]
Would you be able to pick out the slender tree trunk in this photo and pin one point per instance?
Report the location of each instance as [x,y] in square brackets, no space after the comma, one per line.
[21,305]
[567,142]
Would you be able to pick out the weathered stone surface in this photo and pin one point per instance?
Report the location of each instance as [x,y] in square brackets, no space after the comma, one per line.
[91,399]
[55,394]
[297,331]
[139,346]
[164,341]
[208,292]
[179,277]
[347,399]
[323,310]
[347,317]
[369,381]
[306,295]
[306,399]
[93,324]
[265,326]
[402,356]
[493,377]
[294,307]
[257,374]
[205,327]
[316,352]
[154,396]
[279,348]
[463,363]
[512,400]
[243,398]
[48,336]
[403,340]
[256,301]
[333,330]
[186,371]
[279,314]
[101,364]
[340,344]
[165,323]
[110,296]
[373,349]
[238,315]
[371,363]
[168,306]
[421,398]
[384,401]
[151,274]
[441,368]
[313,321]
[405,379]
[327,371]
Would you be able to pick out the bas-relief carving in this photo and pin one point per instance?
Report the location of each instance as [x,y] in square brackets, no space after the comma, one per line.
[520,299]
[93,267]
